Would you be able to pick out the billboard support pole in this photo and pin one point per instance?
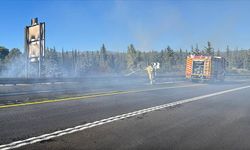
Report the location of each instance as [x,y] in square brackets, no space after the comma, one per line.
[44,46]
[26,48]
[40,51]
[25,51]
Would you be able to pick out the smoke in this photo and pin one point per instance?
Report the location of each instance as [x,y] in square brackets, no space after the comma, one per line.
[13,67]
[148,26]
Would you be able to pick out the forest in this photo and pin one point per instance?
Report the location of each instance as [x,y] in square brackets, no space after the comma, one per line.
[78,63]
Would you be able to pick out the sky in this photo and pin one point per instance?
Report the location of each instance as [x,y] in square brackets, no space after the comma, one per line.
[148,25]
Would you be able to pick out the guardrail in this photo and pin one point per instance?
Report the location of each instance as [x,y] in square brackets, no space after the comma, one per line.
[16,81]
[237,75]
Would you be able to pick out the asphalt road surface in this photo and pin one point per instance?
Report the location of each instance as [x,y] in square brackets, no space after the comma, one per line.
[163,116]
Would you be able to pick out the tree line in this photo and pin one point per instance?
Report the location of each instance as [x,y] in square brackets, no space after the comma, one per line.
[75,63]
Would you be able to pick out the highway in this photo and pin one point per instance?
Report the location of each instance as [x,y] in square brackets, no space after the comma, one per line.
[179,115]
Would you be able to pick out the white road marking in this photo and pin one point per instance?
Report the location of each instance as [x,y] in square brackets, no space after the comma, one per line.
[168,82]
[108,120]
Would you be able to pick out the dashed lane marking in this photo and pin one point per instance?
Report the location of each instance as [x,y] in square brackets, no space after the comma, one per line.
[94,96]
[78,128]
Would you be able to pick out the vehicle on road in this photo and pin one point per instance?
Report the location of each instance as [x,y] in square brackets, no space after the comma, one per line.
[205,68]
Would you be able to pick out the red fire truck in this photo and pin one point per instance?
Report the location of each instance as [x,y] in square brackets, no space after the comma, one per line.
[202,68]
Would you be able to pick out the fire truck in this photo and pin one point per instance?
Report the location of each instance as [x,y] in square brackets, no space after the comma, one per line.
[204,68]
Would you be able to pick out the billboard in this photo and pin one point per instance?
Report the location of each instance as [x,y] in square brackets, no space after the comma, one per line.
[35,41]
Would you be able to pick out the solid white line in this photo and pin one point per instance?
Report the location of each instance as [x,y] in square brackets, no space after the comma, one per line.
[108,120]
[170,82]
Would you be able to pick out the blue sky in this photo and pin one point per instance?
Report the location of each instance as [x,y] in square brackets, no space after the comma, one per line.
[149,25]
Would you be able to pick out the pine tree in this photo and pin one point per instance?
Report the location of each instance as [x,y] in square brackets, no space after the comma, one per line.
[228,57]
[3,52]
[248,60]
[218,52]
[103,53]
[103,59]
[131,57]
[170,58]
[197,50]
[209,50]
[14,53]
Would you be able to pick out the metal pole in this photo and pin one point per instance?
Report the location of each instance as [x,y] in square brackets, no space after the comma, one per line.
[26,49]
[44,47]
[39,62]
[40,51]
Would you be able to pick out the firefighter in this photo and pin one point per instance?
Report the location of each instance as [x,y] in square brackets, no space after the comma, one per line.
[150,70]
